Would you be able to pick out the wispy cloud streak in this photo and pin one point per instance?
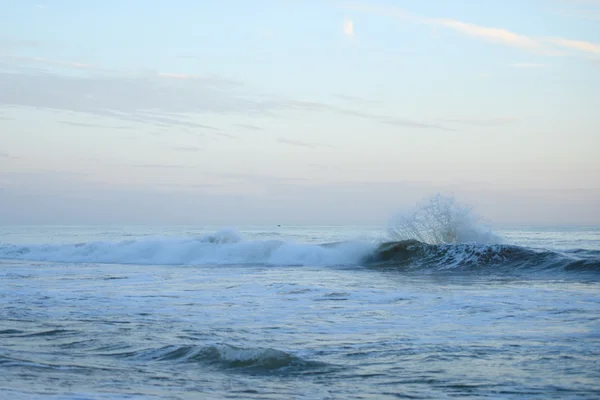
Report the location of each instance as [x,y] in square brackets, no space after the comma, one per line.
[302,143]
[527,65]
[68,64]
[484,122]
[496,35]
[160,99]
[540,45]
[580,45]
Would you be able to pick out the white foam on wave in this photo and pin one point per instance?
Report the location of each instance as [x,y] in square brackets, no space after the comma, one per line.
[224,247]
[440,219]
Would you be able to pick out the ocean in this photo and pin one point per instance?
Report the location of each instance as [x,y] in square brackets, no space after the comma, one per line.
[289,312]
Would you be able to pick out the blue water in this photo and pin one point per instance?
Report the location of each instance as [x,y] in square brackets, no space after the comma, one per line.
[268,312]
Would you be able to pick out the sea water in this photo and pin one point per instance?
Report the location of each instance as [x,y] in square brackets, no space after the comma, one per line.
[317,312]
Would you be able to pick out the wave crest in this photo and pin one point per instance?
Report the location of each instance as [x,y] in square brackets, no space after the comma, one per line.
[223,247]
[224,356]
[442,220]
[222,237]
[499,258]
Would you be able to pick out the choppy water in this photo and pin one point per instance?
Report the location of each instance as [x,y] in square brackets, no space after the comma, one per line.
[185,313]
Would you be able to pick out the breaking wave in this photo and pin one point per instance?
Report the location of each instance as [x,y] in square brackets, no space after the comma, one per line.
[441,219]
[415,255]
[440,234]
[223,247]
[226,248]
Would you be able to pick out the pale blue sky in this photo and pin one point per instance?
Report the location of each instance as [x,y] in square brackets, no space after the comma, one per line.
[279,111]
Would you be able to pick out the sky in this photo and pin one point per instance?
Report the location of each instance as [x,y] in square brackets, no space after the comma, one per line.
[237,112]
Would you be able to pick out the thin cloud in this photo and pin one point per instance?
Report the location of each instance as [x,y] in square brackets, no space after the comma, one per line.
[305,105]
[136,99]
[356,99]
[163,166]
[299,143]
[348,28]
[5,155]
[539,45]
[69,64]
[177,76]
[321,107]
[263,178]
[496,35]
[89,125]
[384,119]
[412,124]
[580,45]
[81,124]
[249,127]
[192,186]
[324,167]
[212,80]
[483,122]
[123,127]
[163,101]
[227,135]
[527,65]
[186,148]
[168,120]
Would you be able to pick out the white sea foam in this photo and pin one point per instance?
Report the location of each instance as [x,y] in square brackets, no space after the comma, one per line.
[439,220]
[442,220]
[223,247]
